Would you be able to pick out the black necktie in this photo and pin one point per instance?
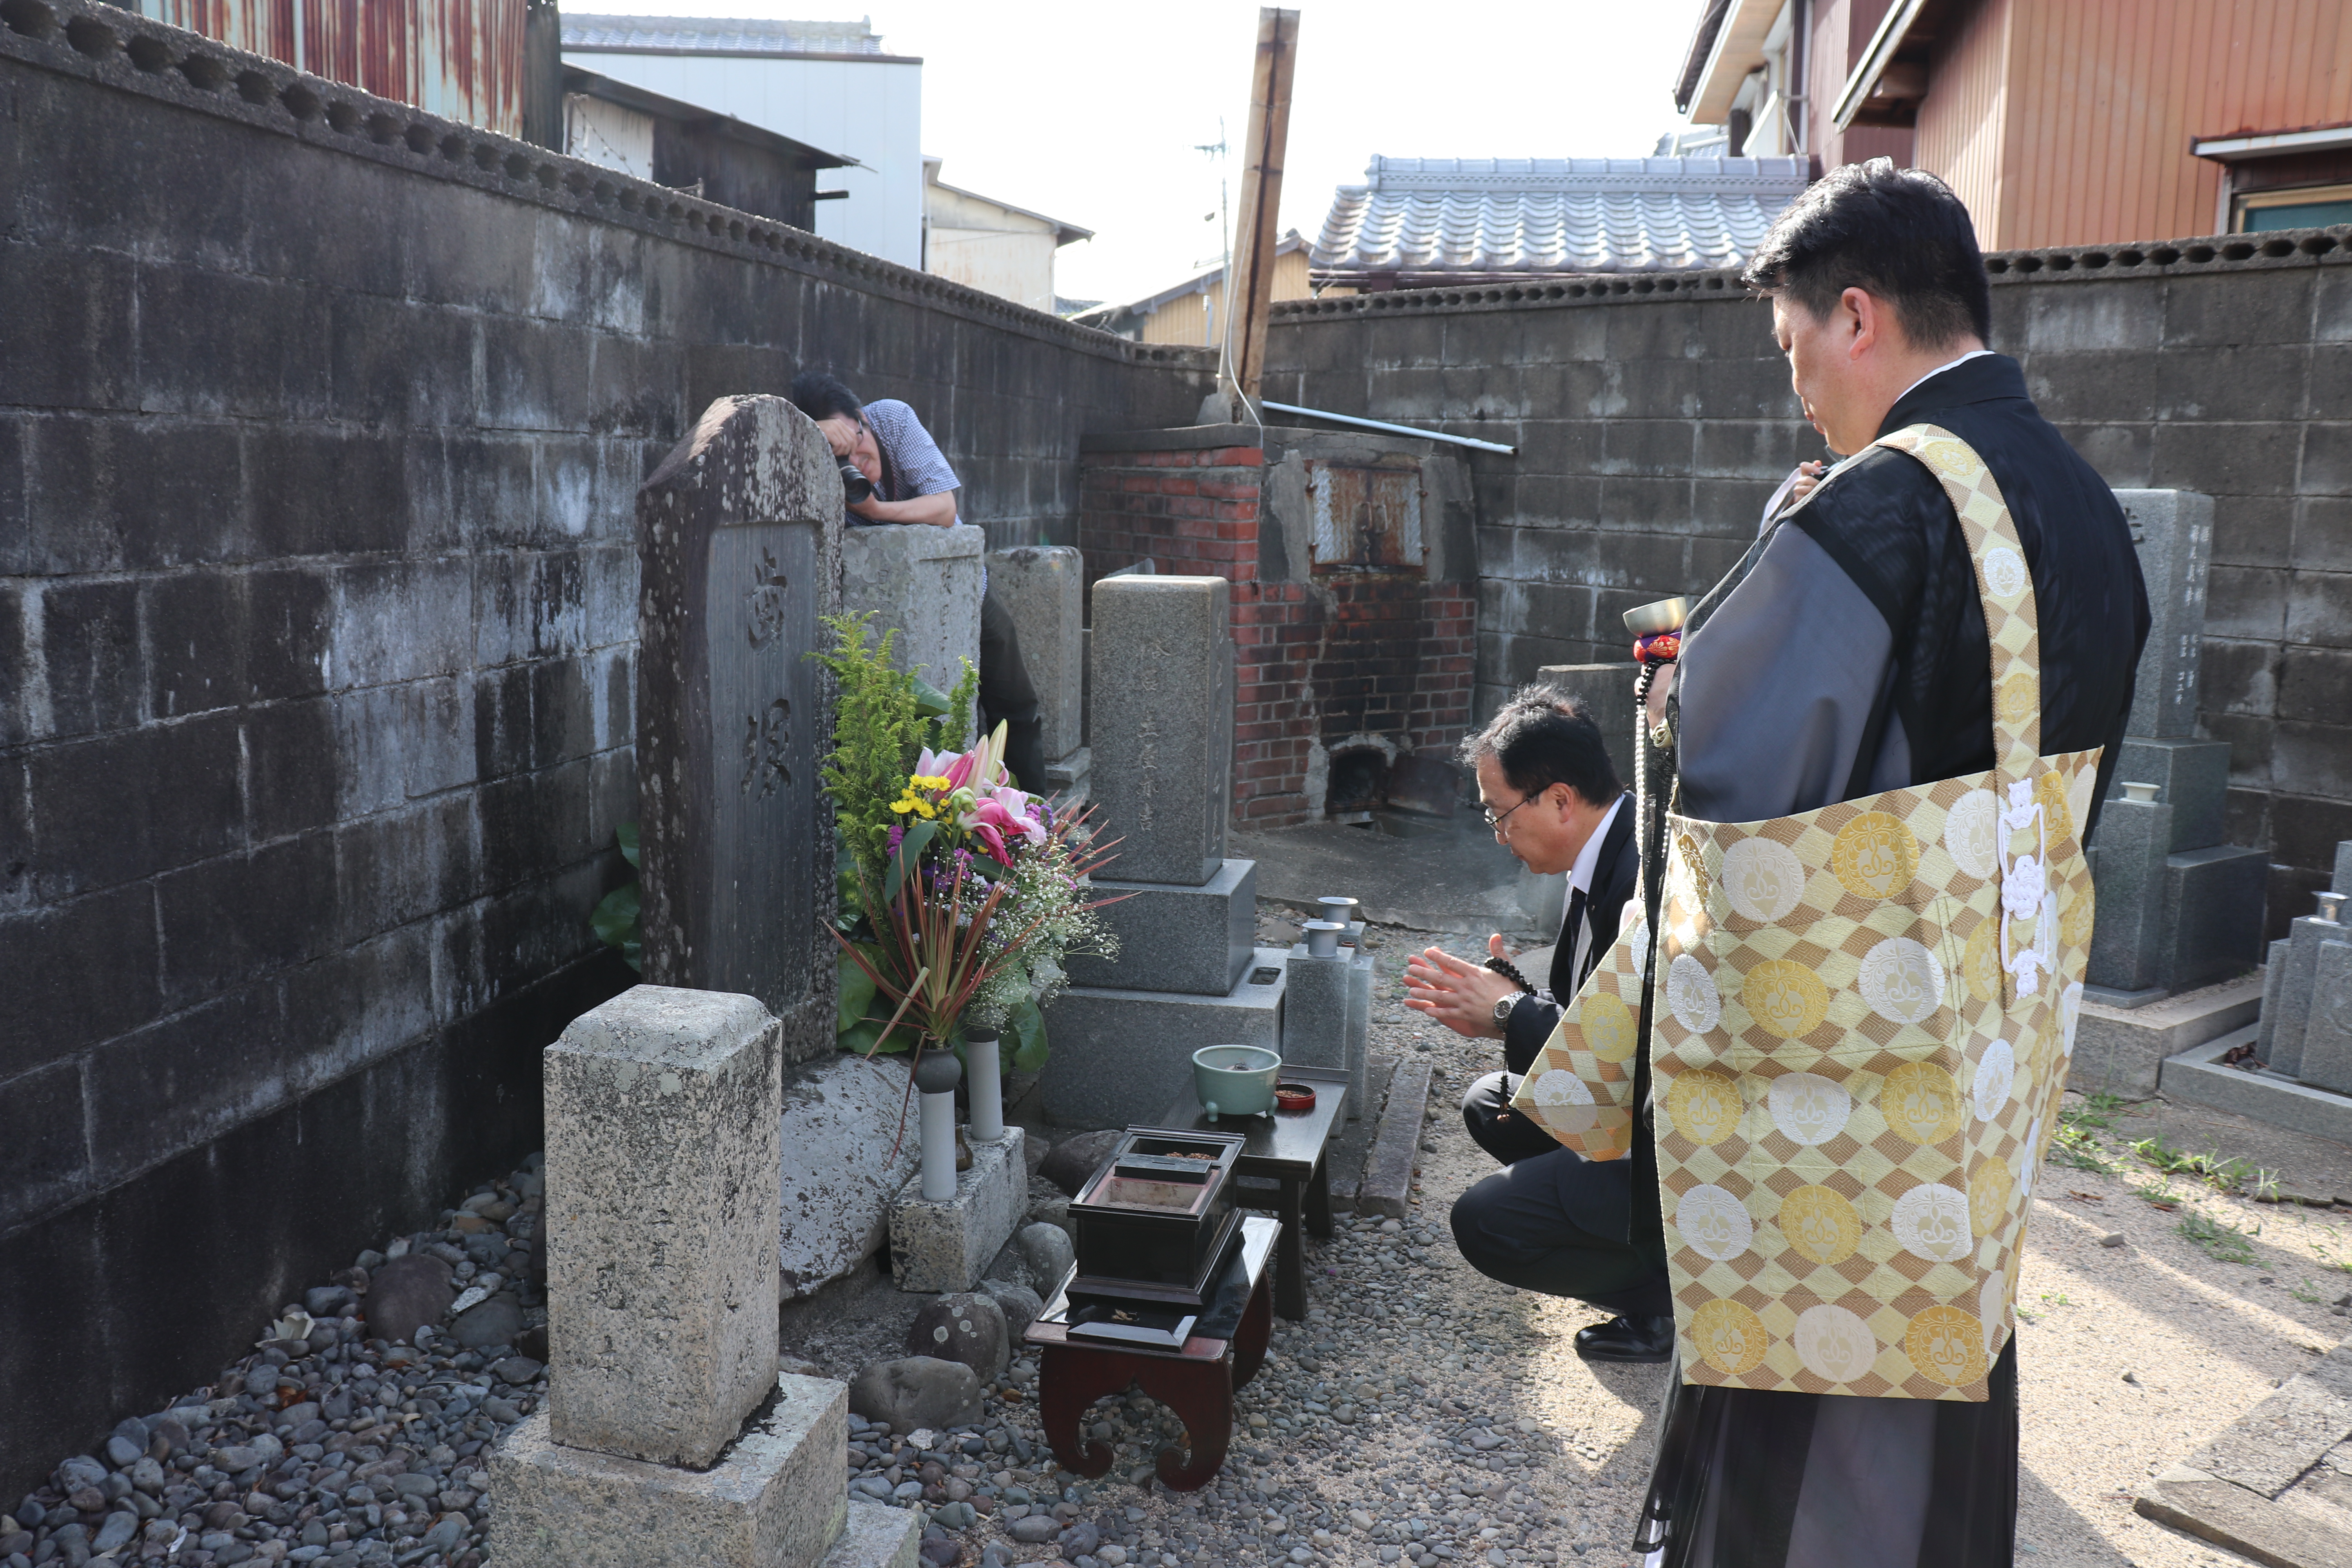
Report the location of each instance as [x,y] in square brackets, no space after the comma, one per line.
[1569,933]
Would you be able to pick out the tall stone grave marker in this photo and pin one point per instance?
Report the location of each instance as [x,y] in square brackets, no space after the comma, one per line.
[1043,588]
[1188,972]
[739,547]
[669,1438]
[924,584]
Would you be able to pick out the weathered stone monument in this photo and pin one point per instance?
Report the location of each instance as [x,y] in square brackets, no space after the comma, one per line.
[2306,1024]
[1043,588]
[2177,910]
[924,583]
[1188,972]
[668,1436]
[739,550]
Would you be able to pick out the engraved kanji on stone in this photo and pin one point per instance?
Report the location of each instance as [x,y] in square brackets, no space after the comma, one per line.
[766,599]
[767,742]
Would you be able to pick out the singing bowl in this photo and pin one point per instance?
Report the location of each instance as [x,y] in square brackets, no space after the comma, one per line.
[1665,615]
[1235,1080]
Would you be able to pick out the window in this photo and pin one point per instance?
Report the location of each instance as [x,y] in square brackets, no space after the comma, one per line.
[2304,206]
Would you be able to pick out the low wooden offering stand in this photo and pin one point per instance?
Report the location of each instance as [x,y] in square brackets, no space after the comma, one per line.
[1197,1383]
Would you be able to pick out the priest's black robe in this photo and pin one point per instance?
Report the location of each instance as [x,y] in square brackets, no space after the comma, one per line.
[1853,659]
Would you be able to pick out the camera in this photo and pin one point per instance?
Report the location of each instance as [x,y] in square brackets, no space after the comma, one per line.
[854,486]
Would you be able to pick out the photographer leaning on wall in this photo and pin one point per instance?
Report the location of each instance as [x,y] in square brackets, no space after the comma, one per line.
[908,480]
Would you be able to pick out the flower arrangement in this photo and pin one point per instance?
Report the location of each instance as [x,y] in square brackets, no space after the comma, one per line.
[961,893]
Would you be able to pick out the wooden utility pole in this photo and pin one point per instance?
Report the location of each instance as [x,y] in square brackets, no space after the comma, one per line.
[1249,287]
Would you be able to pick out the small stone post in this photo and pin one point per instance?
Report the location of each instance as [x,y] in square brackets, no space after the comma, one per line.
[668,1439]
[1043,588]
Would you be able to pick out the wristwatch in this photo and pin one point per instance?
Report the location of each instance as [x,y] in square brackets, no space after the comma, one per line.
[1503,1012]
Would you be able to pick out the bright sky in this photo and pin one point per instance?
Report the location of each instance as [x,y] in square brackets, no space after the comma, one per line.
[1091,113]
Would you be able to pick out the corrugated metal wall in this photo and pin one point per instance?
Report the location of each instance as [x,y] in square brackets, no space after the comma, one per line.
[459,59]
[2096,102]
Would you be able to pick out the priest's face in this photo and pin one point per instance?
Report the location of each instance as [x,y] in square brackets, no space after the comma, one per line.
[1832,365]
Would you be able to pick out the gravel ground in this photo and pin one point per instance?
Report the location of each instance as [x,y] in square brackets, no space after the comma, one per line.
[325,1446]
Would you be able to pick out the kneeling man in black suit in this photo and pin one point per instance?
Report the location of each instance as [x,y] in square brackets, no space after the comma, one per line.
[1551,1220]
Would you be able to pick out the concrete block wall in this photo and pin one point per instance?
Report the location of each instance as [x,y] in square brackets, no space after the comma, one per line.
[1653,417]
[319,429]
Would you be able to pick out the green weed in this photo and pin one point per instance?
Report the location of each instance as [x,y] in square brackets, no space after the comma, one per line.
[2057,1299]
[2217,1239]
[2222,1174]
[2308,1293]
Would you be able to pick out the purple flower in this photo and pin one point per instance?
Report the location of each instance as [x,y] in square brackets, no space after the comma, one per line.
[897,836]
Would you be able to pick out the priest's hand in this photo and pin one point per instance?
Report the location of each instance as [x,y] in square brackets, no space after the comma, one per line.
[1457,993]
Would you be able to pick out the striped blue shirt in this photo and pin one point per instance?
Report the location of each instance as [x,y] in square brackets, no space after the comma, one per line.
[912,464]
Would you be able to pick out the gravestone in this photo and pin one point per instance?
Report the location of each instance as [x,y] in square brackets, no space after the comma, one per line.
[739,551]
[669,1438]
[1163,723]
[1160,722]
[2292,983]
[2193,904]
[923,582]
[1043,588]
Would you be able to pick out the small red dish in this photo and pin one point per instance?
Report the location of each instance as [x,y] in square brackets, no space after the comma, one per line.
[1293,1097]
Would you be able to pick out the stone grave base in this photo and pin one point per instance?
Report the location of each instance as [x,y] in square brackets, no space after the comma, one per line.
[1173,937]
[2119,1049]
[776,1499]
[2191,776]
[1069,782]
[878,1536]
[1119,1057]
[2198,1077]
[947,1245]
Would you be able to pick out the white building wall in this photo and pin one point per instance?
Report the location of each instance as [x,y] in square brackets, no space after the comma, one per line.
[871,110]
[611,135]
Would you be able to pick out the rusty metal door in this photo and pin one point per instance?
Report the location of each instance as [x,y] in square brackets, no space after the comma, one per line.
[1368,519]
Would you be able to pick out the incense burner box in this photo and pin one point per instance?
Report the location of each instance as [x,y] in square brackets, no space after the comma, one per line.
[1155,1222]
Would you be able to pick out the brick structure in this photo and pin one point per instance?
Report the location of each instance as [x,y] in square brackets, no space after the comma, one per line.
[1353,645]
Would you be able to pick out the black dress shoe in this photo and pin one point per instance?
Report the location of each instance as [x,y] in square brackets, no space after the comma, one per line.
[1628,1338]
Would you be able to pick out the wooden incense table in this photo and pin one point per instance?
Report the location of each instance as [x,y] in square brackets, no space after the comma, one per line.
[1287,1147]
[1197,1381]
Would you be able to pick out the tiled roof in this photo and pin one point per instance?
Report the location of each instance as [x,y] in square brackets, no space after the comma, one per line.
[719,35]
[1554,215]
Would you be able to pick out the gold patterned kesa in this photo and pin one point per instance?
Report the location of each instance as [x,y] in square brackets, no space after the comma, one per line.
[1609,1029]
[2050,789]
[1980,960]
[1920,1100]
[1731,1337]
[1704,1105]
[2075,922]
[1875,856]
[2015,703]
[1784,997]
[1820,1224]
[1947,1345]
[1988,1194]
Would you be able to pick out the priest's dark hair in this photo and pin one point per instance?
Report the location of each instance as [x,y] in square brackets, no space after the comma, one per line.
[823,396]
[1900,234]
[1540,738]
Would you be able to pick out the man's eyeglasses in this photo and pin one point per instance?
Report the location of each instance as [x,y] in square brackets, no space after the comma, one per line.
[1495,823]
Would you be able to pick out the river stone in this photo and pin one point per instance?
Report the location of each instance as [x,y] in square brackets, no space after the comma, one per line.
[1074,1159]
[967,1327]
[407,1294]
[1046,1255]
[916,1392]
[1017,1301]
[496,1321]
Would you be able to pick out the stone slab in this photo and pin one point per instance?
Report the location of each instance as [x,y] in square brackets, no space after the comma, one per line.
[2297,973]
[1362,969]
[2249,1525]
[947,1246]
[1395,1153]
[2213,918]
[2173,532]
[2269,1446]
[2128,871]
[1607,691]
[2191,776]
[1172,937]
[1043,588]
[1070,780]
[1315,1004]
[2327,1022]
[2196,1077]
[775,1498]
[2120,1050]
[739,537]
[1345,1159]
[2342,883]
[663,1118]
[1120,1055]
[923,582]
[1160,720]
[876,1535]
[838,1176]
[2274,984]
